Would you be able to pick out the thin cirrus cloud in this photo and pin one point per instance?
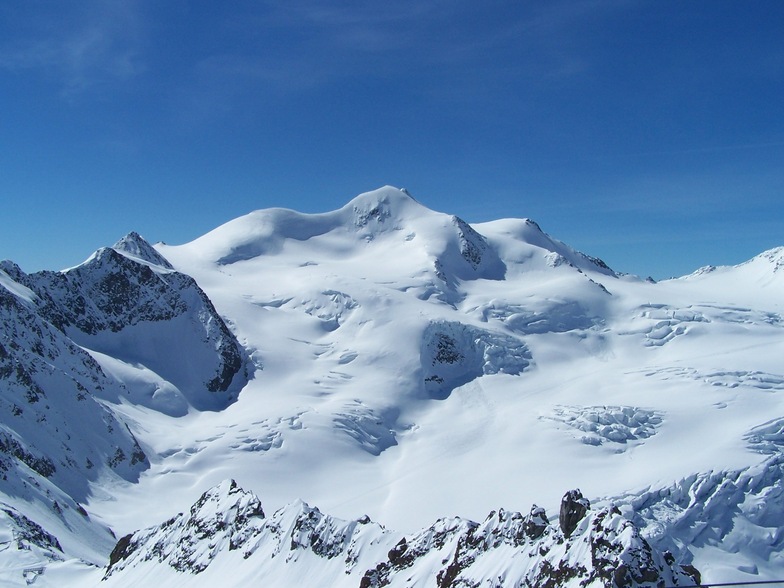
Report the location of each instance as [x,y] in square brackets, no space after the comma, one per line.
[78,45]
[326,42]
[294,47]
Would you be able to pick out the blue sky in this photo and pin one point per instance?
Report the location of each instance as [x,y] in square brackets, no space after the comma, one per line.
[647,133]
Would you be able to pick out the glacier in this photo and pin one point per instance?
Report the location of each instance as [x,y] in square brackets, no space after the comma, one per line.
[387,363]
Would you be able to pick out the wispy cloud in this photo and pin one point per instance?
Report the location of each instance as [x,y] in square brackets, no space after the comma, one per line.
[78,45]
[328,41]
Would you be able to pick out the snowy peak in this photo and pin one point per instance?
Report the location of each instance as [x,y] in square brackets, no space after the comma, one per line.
[764,272]
[143,314]
[380,211]
[393,228]
[228,519]
[134,246]
[224,517]
[269,232]
[383,203]
[515,238]
[457,250]
[132,310]
[772,258]
[386,224]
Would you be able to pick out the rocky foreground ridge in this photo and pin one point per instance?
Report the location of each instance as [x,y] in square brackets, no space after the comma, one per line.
[227,528]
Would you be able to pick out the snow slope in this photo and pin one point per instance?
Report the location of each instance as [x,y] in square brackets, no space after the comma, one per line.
[409,366]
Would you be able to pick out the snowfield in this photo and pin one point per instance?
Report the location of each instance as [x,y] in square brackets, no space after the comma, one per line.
[406,373]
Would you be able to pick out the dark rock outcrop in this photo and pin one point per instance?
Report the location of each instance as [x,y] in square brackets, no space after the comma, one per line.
[453,354]
[461,551]
[573,508]
[227,518]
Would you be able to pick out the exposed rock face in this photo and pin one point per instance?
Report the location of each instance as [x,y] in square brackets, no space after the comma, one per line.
[472,245]
[28,534]
[573,509]
[506,549]
[224,517]
[50,421]
[536,523]
[228,519]
[128,303]
[607,550]
[466,255]
[454,353]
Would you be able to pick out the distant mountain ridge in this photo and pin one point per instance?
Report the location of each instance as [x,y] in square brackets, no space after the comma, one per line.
[381,215]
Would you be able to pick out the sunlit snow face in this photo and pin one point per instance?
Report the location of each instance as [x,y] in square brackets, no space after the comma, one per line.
[392,361]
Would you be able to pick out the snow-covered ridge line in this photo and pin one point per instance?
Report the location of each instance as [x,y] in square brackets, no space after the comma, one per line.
[458,248]
[584,548]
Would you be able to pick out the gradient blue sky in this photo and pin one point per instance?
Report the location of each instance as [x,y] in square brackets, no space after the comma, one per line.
[648,133]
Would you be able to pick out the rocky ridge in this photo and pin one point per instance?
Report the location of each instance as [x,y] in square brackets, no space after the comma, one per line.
[58,433]
[586,548]
[52,426]
[127,302]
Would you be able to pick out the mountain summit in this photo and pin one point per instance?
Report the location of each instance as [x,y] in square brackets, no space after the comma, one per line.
[387,221]
[133,245]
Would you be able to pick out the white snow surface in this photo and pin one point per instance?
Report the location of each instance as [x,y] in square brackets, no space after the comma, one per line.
[410,367]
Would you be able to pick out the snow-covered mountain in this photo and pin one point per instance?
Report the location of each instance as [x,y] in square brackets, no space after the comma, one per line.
[388,360]
[128,305]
